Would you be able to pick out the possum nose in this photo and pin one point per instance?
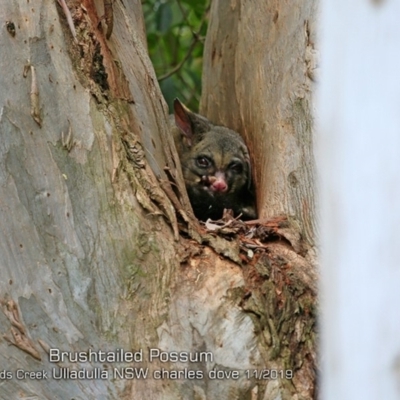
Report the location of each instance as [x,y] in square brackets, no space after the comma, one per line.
[218,182]
[220,186]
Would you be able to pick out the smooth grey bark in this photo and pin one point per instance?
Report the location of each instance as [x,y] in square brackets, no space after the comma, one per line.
[90,252]
[358,160]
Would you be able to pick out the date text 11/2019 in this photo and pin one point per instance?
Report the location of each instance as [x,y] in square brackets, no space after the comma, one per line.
[269,374]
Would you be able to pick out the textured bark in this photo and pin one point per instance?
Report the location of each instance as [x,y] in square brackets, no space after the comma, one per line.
[91,256]
[86,254]
[259,67]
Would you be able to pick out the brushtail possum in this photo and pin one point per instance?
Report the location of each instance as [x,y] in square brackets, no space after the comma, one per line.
[215,165]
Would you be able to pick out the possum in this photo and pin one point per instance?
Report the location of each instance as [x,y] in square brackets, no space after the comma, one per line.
[215,165]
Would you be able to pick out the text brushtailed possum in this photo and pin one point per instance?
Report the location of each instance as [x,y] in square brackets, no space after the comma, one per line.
[215,165]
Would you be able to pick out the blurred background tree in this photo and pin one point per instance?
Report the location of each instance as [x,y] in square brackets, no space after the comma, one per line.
[176,32]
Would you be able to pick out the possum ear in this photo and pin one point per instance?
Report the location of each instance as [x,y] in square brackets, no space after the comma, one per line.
[188,122]
[182,120]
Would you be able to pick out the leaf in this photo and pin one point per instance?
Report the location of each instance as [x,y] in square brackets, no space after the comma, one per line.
[170,26]
[164,18]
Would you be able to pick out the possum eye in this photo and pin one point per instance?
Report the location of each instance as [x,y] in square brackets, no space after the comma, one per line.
[236,167]
[203,162]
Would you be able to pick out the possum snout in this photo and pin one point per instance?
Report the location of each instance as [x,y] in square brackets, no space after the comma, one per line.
[218,182]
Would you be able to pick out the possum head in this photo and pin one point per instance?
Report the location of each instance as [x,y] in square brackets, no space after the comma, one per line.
[215,163]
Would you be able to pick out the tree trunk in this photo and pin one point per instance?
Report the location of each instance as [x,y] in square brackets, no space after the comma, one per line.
[91,256]
[87,258]
[260,55]
[358,156]
[259,68]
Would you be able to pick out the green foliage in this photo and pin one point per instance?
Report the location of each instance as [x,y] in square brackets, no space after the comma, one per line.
[175,36]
